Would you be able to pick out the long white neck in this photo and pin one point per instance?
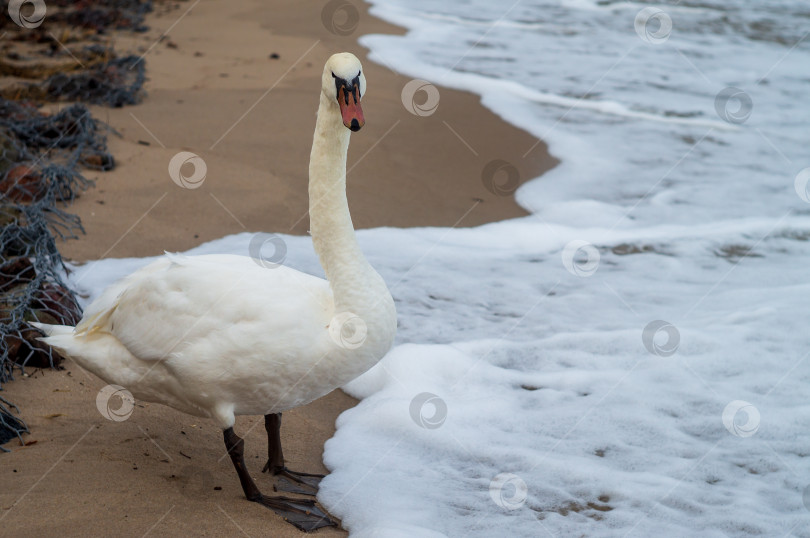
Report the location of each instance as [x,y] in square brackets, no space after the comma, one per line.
[330,222]
[356,287]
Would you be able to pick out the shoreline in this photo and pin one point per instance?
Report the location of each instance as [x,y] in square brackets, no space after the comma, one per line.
[158,471]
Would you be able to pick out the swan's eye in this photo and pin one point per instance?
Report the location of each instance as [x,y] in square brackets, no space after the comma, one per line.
[334,76]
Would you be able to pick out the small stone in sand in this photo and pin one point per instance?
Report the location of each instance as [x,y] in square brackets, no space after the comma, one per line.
[275,56]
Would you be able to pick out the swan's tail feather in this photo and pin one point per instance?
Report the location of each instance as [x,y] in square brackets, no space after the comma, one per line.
[52,330]
[58,337]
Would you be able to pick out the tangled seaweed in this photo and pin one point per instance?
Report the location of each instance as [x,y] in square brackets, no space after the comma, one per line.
[41,156]
[99,16]
[115,83]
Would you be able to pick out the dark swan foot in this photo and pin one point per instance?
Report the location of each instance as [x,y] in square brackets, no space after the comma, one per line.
[295,482]
[300,512]
[289,481]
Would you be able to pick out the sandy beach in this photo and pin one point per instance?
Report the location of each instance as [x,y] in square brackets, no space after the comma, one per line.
[235,83]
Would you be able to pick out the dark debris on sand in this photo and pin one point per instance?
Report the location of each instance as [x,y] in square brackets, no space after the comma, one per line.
[42,155]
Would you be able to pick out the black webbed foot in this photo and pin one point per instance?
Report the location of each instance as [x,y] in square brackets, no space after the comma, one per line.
[289,481]
[303,513]
[295,482]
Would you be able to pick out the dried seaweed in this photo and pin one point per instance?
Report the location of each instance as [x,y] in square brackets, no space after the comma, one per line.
[41,158]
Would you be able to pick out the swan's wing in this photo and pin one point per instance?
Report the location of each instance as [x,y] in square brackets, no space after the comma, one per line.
[228,300]
[96,315]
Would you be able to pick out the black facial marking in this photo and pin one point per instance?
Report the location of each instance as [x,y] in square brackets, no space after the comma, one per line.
[353,87]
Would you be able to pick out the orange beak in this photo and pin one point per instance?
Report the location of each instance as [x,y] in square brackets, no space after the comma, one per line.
[350,108]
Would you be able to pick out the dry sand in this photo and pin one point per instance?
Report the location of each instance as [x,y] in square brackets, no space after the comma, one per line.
[218,93]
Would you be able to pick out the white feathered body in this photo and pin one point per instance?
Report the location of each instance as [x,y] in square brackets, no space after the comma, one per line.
[222,335]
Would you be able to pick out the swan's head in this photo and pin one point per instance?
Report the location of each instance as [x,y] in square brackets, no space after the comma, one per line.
[344,84]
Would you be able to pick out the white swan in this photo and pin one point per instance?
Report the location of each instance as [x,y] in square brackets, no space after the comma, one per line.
[222,335]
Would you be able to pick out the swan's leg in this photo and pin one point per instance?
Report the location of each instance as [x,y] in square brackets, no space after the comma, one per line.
[295,482]
[300,512]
